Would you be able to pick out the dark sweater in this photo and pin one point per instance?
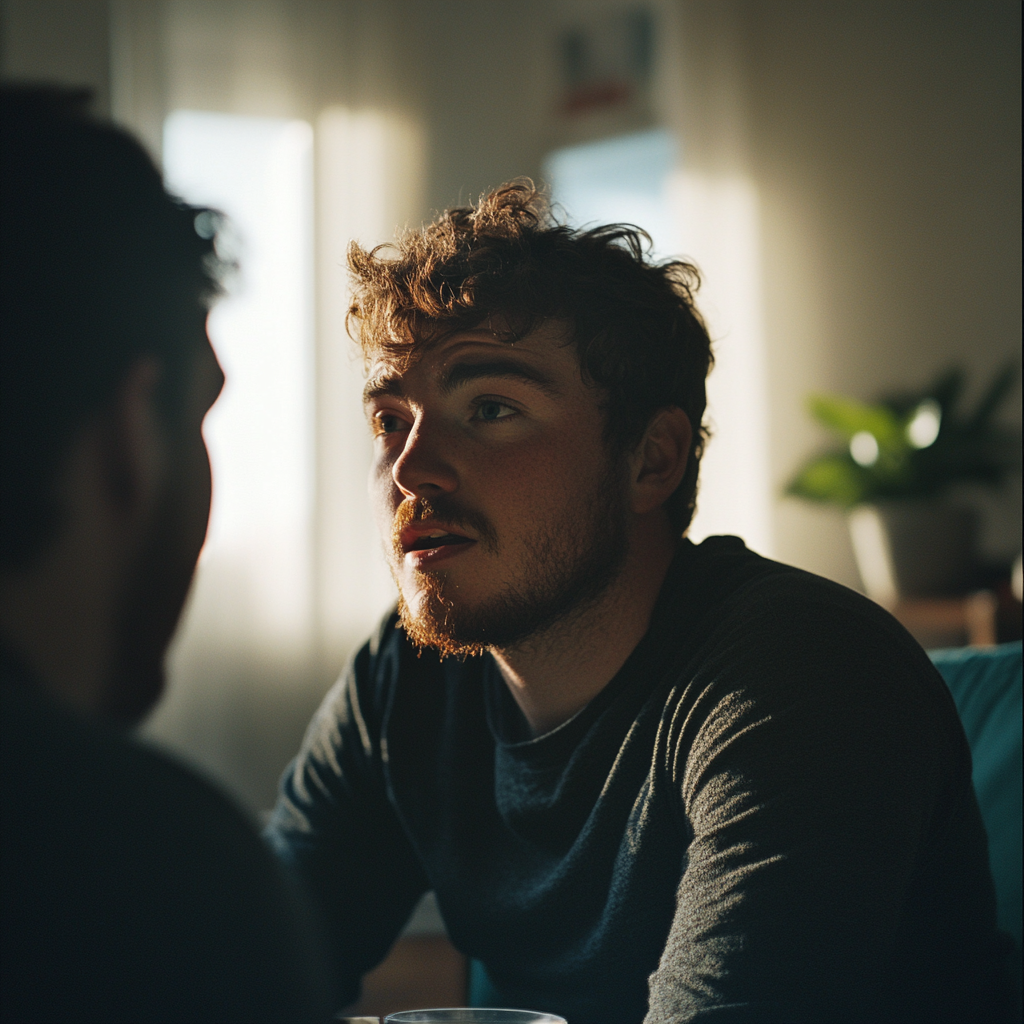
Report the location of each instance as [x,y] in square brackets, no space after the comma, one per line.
[134,891]
[767,815]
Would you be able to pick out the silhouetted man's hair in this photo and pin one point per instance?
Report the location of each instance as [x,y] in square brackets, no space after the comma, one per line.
[507,265]
[100,266]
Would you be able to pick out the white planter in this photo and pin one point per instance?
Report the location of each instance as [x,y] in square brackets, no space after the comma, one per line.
[913,548]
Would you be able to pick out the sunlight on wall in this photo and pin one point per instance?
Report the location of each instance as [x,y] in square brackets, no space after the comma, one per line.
[717,221]
[369,169]
[253,586]
[713,222]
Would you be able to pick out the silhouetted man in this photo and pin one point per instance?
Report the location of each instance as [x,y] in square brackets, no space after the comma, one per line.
[132,890]
[645,778]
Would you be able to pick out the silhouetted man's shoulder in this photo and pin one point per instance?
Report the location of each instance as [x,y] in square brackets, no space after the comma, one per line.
[133,890]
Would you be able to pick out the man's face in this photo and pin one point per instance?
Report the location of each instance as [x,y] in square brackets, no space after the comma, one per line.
[499,503]
[162,573]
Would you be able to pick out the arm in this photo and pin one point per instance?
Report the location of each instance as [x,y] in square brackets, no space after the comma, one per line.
[809,768]
[334,826]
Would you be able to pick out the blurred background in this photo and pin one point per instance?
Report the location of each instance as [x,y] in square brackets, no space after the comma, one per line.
[845,174]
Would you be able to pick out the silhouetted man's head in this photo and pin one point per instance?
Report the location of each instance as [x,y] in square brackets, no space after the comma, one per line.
[519,369]
[105,285]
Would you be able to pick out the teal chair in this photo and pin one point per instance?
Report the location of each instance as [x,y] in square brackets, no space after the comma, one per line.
[986,685]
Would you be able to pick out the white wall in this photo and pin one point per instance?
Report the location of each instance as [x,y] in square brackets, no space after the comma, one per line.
[885,143]
[65,41]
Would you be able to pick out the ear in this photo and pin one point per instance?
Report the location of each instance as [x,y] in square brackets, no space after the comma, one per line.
[132,442]
[659,461]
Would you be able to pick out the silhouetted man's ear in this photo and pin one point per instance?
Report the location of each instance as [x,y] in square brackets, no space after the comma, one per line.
[659,461]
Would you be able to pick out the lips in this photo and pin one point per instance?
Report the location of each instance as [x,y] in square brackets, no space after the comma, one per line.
[426,536]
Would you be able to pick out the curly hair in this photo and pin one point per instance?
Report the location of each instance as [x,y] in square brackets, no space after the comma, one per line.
[637,332]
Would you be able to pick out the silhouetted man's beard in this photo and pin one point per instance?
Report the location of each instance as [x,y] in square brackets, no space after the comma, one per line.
[570,564]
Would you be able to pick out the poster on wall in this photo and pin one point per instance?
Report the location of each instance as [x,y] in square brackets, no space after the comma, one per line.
[605,60]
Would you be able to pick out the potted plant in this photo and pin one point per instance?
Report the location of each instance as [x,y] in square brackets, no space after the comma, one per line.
[899,459]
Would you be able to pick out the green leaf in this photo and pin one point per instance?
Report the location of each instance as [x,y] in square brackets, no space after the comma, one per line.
[835,479]
[847,417]
[968,448]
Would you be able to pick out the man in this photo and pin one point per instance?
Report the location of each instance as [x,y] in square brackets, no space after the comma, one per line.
[132,890]
[646,779]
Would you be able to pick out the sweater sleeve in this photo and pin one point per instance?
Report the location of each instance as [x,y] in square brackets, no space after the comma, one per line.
[335,828]
[813,758]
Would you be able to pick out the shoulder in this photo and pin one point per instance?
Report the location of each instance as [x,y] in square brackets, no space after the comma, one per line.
[801,651]
[125,872]
[352,714]
[387,660]
[80,798]
[57,762]
[770,609]
[799,693]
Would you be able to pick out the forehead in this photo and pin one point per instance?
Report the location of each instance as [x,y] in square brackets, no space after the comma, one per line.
[548,350]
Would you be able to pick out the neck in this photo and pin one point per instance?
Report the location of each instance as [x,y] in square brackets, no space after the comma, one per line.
[556,674]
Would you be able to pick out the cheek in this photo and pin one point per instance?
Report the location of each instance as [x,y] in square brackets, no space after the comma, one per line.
[196,495]
[385,497]
[532,481]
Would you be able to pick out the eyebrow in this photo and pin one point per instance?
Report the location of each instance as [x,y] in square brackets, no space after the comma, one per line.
[457,374]
[383,385]
[389,385]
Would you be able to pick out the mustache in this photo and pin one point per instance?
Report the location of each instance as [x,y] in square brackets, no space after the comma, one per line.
[446,510]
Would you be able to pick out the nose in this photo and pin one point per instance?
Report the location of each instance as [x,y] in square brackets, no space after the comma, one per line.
[424,468]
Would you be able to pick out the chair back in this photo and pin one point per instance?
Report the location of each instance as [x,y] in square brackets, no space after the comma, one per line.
[986,685]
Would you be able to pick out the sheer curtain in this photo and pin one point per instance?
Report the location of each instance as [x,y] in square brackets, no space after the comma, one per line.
[269,111]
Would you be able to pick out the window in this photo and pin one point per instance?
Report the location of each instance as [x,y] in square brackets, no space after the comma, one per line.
[254,583]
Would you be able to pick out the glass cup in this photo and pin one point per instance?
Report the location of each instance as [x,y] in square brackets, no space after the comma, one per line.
[472,1015]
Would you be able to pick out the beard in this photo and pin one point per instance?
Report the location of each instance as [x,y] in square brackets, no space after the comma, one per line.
[568,563]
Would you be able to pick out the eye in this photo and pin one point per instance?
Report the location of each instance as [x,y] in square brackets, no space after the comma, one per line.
[489,410]
[387,423]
